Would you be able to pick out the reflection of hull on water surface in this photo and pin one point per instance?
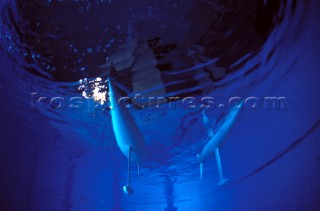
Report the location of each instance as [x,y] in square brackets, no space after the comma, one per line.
[178,59]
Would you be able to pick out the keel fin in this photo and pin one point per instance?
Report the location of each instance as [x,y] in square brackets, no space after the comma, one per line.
[222,179]
[201,171]
[127,189]
[201,167]
[129,160]
[139,170]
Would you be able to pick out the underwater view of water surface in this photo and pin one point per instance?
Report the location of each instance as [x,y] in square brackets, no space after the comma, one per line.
[171,105]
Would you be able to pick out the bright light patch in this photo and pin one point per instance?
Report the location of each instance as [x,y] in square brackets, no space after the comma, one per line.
[94,89]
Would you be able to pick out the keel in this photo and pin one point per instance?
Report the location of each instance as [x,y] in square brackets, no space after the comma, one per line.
[127,189]
[201,171]
[201,167]
[139,170]
[222,179]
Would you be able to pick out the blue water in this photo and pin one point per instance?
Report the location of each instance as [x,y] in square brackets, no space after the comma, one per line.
[57,157]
